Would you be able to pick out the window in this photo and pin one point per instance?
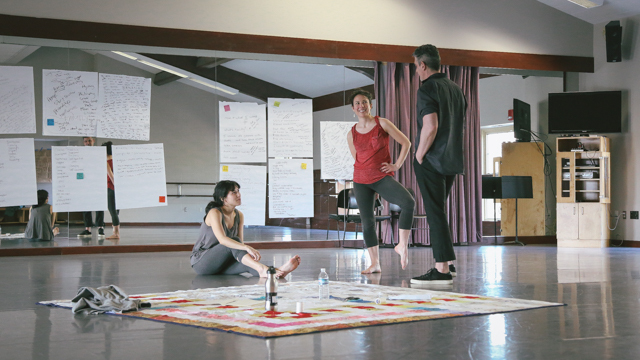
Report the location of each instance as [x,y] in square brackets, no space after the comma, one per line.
[492,138]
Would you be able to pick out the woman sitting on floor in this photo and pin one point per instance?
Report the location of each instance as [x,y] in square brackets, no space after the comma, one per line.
[220,248]
[41,217]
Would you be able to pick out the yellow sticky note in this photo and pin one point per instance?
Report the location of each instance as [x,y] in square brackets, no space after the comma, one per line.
[276,103]
[225,168]
[304,166]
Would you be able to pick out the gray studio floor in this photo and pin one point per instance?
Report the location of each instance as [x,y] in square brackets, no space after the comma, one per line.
[601,288]
[158,235]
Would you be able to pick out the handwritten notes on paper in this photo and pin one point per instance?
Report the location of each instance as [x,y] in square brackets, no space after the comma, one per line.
[69,102]
[43,166]
[139,176]
[243,132]
[290,127]
[335,157]
[17,100]
[79,178]
[290,188]
[253,187]
[125,107]
[17,173]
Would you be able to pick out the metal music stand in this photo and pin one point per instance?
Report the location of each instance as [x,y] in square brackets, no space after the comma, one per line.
[517,187]
[492,189]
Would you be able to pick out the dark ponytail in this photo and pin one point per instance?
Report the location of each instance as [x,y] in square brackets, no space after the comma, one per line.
[223,188]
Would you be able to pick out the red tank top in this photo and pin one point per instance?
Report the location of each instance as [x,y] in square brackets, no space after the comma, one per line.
[372,149]
[109,182]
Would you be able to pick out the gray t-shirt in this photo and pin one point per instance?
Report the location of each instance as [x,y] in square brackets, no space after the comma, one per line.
[207,239]
[39,225]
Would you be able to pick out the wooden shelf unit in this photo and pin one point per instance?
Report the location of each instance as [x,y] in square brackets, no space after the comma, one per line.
[583,191]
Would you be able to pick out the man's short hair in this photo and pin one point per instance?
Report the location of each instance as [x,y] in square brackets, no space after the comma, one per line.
[429,55]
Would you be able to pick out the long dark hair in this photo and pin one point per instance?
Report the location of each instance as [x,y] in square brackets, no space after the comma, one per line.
[223,188]
[43,195]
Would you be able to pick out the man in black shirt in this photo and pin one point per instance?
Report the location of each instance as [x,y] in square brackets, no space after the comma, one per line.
[441,110]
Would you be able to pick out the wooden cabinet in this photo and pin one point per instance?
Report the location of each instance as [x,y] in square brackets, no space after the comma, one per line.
[584,191]
[524,159]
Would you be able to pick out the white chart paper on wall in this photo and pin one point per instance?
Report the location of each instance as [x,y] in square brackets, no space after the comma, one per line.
[125,107]
[17,172]
[69,102]
[335,157]
[253,187]
[243,132]
[79,178]
[17,100]
[290,188]
[290,127]
[139,176]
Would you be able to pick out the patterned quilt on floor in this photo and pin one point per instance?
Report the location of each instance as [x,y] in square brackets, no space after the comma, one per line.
[240,309]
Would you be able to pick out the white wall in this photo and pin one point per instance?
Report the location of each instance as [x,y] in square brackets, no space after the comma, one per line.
[523,26]
[625,164]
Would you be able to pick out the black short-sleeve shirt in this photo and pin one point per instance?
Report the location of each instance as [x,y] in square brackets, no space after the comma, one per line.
[438,94]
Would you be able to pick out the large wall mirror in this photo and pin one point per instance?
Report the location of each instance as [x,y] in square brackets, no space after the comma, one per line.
[188,87]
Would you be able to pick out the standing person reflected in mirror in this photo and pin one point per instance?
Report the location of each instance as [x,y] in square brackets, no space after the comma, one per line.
[111,195]
[220,248]
[87,216]
[373,173]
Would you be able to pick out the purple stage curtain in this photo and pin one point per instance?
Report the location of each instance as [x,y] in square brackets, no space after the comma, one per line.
[396,85]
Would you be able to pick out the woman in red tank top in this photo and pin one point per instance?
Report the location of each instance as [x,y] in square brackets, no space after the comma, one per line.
[373,173]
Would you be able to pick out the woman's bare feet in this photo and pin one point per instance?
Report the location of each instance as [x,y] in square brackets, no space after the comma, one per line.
[372,269]
[56,231]
[403,251]
[288,267]
[114,237]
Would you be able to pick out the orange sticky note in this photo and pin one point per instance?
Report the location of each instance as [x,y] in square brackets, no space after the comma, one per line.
[225,168]
[304,166]
[276,103]
[163,199]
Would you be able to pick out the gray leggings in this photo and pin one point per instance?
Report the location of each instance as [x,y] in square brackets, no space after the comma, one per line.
[393,192]
[221,260]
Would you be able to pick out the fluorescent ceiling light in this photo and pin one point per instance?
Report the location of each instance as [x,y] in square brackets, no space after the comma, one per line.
[213,86]
[163,68]
[125,55]
[588,4]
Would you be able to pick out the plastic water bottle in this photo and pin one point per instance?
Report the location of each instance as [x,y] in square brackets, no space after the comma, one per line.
[271,290]
[323,285]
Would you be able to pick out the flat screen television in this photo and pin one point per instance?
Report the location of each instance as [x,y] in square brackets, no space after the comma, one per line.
[585,112]
[521,121]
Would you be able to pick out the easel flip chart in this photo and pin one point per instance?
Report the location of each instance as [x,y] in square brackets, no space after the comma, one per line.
[290,127]
[17,100]
[17,172]
[243,132]
[125,107]
[335,157]
[290,188]
[139,176]
[69,103]
[253,188]
[79,178]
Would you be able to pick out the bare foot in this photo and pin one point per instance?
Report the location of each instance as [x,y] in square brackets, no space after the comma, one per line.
[288,267]
[56,231]
[114,237]
[372,269]
[403,251]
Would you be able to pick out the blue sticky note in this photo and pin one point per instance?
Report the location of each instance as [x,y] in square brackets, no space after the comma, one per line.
[80,176]
[49,122]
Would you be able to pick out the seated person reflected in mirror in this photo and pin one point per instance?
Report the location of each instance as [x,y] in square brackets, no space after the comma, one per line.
[41,218]
[220,249]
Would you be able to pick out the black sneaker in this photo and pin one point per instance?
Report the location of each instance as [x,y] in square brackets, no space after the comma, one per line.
[433,276]
[85,233]
[452,270]
[100,232]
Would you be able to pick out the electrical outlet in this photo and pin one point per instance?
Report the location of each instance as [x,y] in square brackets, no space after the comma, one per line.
[624,215]
[634,215]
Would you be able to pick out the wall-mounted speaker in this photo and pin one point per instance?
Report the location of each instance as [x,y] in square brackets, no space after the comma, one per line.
[613,35]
